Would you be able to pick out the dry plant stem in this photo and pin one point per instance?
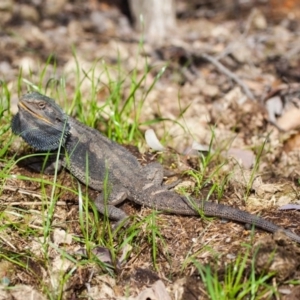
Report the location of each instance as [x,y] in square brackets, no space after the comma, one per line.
[22,191]
[59,203]
[229,74]
[27,192]
[7,242]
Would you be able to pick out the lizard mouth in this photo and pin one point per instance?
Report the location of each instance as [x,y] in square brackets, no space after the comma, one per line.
[22,105]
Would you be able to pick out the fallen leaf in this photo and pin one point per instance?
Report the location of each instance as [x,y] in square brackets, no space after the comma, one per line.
[60,236]
[156,292]
[152,140]
[246,158]
[290,119]
[289,206]
[274,107]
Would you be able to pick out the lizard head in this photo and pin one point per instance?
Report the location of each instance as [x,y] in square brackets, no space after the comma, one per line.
[40,122]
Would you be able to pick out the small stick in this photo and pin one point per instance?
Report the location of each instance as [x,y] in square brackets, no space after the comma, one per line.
[22,191]
[228,73]
[27,203]
[27,192]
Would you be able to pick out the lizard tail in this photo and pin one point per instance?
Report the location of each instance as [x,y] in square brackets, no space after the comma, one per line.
[227,212]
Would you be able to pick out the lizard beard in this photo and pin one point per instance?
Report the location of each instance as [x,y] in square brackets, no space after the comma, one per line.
[39,136]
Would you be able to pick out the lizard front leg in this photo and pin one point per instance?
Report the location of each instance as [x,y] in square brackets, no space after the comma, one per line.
[43,163]
[107,206]
[155,173]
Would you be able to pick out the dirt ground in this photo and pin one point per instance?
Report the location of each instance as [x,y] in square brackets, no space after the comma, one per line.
[236,71]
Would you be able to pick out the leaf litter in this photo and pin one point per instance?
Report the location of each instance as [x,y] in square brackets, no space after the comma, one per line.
[237,74]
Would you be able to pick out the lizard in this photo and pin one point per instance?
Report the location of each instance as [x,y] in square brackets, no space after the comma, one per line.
[92,158]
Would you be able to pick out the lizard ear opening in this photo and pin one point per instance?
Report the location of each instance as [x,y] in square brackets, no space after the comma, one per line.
[43,139]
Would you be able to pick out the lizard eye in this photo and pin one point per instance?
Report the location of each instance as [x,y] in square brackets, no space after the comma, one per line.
[41,105]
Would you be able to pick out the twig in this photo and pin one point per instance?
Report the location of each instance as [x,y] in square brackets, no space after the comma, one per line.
[28,203]
[27,192]
[228,73]
[8,243]
[22,191]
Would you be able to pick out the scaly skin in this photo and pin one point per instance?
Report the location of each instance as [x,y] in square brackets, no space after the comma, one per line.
[44,126]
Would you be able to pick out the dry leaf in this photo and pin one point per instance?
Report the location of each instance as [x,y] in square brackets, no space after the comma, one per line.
[290,119]
[152,140]
[60,236]
[289,206]
[156,292]
[246,158]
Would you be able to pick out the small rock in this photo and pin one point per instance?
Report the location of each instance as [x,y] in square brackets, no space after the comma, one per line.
[231,256]
[242,53]
[221,32]
[99,20]
[75,30]
[53,7]
[6,16]
[210,90]
[259,20]
[27,12]
[234,96]
[28,64]
[6,5]
[5,67]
